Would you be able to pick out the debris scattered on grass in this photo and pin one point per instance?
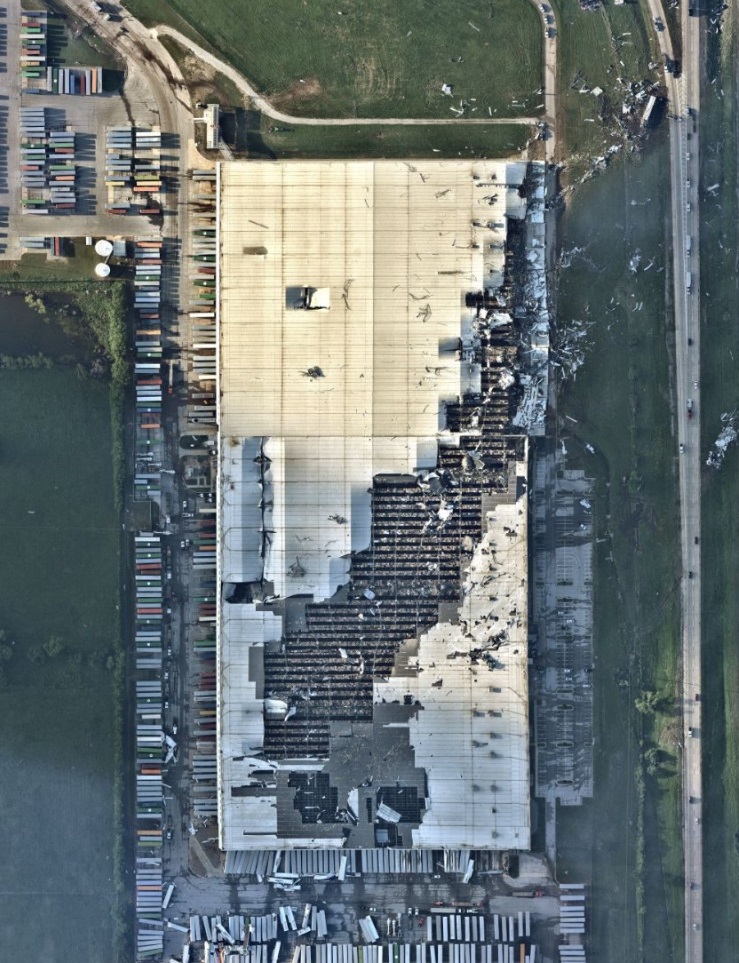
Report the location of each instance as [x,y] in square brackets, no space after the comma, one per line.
[726,438]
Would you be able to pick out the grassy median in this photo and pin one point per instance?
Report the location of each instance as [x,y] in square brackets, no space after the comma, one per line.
[720,517]
[628,840]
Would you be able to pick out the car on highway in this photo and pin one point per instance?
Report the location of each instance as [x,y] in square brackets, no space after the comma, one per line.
[682,448]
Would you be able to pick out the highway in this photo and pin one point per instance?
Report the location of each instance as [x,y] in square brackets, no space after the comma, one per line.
[550,33]
[684,165]
[684,97]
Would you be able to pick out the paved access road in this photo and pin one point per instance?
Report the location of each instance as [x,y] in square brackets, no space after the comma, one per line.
[684,95]
[550,34]
[685,157]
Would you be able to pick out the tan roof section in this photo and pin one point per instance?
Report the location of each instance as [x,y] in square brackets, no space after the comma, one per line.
[393,243]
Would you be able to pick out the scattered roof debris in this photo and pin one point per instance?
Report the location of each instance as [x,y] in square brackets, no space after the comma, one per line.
[727,437]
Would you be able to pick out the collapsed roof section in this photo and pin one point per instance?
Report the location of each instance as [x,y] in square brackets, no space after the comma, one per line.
[532,313]
[468,685]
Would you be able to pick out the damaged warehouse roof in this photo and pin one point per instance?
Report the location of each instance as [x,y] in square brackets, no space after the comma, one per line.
[369,474]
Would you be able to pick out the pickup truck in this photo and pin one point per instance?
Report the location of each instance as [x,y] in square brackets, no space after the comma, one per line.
[690,407]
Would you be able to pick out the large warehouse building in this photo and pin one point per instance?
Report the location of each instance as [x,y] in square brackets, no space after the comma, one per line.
[374,406]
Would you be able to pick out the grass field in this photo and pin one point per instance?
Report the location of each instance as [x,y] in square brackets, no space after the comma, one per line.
[254,135]
[80,264]
[591,46]
[58,606]
[380,59]
[720,517]
[626,841]
[370,141]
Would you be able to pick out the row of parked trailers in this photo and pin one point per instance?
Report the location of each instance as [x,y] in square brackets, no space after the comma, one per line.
[148,262]
[572,909]
[505,929]
[48,172]
[349,953]
[415,953]
[33,34]
[82,81]
[148,565]
[149,438]
[204,278]
[572,953]
[204,707]
[52,244]
[446,928]
[133,165]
